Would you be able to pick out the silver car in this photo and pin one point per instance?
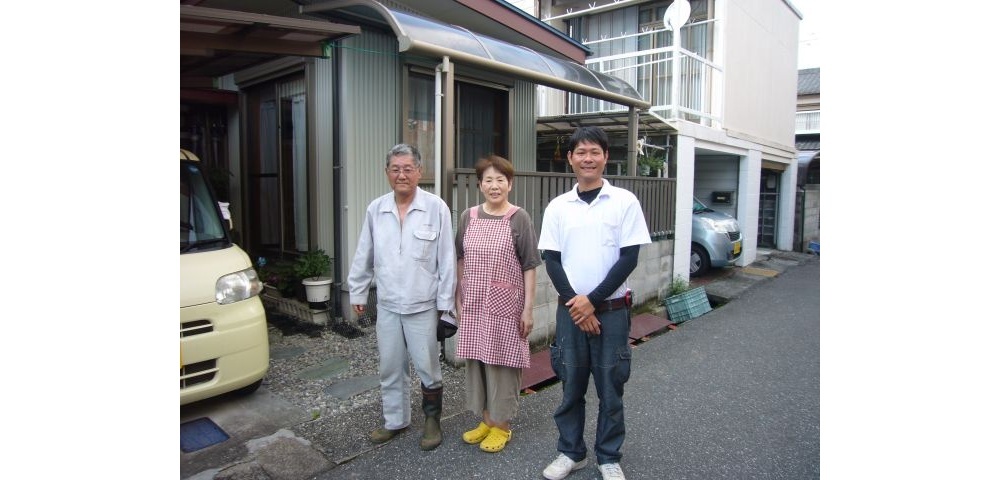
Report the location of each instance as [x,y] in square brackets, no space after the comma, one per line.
[716,240]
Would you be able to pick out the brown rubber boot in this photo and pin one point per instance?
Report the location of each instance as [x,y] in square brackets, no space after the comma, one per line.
[382,434]
[432,418]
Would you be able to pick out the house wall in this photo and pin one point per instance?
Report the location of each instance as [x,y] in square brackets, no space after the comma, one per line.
[786,208]
[810,216]
[649,282]
[527,5]
[684,158]
[760,44]
[369,94]
[522,129]
[320,77]
[748,205]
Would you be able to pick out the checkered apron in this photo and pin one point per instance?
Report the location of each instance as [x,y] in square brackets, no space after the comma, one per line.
[492,294]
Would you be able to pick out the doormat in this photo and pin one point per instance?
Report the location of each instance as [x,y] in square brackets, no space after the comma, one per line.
[200,433]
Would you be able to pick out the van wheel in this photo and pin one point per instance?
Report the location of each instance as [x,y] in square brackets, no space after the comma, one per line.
[700,263]
[247,390]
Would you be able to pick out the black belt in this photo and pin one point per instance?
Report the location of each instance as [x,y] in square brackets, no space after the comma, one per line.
[605,306]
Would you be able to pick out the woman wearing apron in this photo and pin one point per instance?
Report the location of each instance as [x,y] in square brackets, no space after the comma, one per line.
[497,255]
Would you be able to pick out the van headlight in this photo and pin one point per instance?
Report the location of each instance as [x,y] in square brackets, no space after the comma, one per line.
[237,286]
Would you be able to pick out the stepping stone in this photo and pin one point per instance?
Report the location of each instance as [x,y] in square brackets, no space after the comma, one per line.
[328,369]
[763,272]
[287,352]
[349,387]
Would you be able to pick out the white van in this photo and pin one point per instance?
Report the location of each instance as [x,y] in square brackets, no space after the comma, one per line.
[223,343]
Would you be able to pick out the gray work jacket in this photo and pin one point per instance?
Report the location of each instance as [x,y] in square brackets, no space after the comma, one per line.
[414,265]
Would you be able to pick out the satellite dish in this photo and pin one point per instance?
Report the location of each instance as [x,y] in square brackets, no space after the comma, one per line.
[677,14]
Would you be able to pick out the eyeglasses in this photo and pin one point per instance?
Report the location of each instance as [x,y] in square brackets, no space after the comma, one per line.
[405,170]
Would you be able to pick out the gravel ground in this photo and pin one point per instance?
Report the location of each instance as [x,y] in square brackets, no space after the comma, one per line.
[340,426]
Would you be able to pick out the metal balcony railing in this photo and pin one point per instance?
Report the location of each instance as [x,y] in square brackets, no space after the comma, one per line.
[679,83]
[807,122]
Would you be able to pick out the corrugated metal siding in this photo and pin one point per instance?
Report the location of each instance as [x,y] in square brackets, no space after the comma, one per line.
[294,87]
[321,76]
[369,117]
[522,131]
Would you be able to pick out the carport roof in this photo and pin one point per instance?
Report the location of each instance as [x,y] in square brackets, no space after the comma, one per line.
[611,122]
[423,35]
[805,160]
[215,42]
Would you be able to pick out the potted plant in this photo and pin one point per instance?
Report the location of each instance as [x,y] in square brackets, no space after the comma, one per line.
[277,275]
[650,164]
[312,267]
[683,302]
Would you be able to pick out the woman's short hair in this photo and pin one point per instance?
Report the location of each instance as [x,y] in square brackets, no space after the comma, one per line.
[501,164]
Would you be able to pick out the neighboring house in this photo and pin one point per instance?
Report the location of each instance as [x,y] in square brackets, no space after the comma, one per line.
[726,124]
[807,143]
[293,104]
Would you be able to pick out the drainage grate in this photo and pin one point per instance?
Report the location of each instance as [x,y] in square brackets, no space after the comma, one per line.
[200,433]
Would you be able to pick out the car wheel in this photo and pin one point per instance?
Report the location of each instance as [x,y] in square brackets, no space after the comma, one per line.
[700,263]
[247,390]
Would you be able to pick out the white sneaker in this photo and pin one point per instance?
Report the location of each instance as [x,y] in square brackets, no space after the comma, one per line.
[563,466]
[612,471]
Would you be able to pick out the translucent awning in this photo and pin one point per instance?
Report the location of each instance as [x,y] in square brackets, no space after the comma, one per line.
[423,35]
[805,160]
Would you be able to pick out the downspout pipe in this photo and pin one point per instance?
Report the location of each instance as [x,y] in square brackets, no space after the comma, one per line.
[442,68]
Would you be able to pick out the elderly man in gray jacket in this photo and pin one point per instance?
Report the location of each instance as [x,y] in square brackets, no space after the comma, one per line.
[406,246]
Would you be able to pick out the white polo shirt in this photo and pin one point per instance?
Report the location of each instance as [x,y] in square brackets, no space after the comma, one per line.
[589,236]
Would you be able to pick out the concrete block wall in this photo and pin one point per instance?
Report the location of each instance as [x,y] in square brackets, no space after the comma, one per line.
[650,280]
[810,216]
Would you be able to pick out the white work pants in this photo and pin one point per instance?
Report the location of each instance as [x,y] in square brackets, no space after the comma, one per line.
[398,335]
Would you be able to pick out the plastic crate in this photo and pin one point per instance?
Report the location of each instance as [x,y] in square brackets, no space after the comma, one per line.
[813,247]
[685,306]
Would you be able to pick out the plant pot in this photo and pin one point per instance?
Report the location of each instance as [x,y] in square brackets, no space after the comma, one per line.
[317,288]
[687,305]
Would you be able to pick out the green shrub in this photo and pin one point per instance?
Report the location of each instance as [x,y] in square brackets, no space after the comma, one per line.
[314,263]
[678,286]
[279,274]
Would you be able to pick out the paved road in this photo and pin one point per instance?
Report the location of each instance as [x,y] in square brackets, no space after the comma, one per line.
[733,394]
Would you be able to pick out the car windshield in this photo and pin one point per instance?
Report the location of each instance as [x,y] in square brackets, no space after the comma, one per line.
[700,207]
[201,221]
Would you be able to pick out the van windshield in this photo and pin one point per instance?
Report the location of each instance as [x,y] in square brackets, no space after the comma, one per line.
[201,222]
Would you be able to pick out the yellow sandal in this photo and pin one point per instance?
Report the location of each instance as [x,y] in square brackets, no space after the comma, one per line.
[496,440]
[477,434]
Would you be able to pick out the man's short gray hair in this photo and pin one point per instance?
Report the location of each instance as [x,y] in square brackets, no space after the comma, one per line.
[404,149]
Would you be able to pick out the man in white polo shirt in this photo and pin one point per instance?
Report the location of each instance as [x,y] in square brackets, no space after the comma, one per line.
[591,237]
